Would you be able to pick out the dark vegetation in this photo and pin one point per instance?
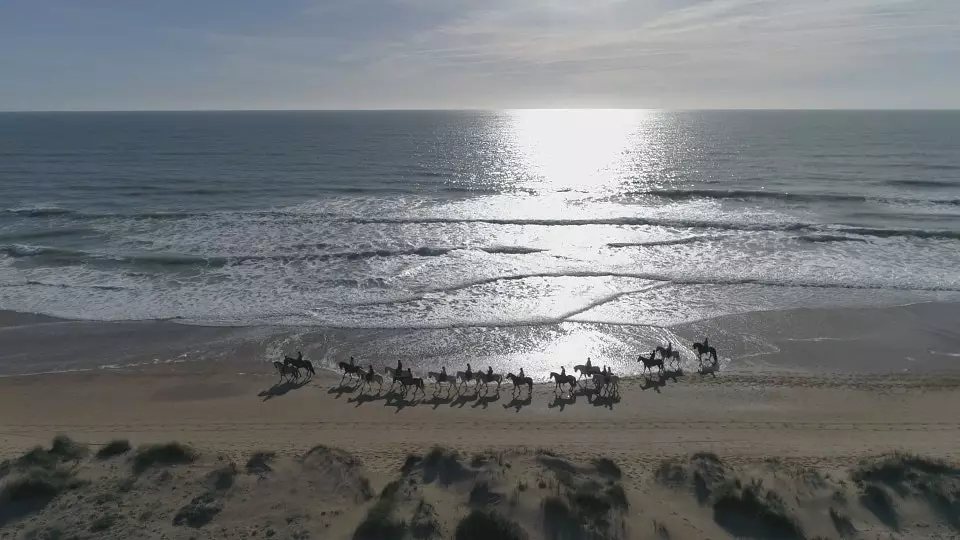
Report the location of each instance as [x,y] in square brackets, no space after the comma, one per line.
[749,513]
[114,448]
[198,512]
[486,525]
[259,462]
[162,455]
[379,523]
[38,477]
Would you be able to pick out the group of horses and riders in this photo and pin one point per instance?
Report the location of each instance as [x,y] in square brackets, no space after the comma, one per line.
[602,377]
[290,367]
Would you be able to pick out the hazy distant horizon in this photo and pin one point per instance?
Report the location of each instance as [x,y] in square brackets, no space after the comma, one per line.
[483,109]
[479,55]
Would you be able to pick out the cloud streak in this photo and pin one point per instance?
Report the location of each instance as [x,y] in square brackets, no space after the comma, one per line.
[642,53]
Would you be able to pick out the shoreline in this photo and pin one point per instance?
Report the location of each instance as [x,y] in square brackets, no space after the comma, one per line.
[914,338]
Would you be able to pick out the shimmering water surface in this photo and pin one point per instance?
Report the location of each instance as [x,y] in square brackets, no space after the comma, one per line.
[549,235]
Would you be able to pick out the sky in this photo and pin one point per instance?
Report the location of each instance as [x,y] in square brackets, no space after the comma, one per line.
[429,54]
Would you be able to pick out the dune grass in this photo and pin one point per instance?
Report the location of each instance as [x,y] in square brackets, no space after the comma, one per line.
[379,523]
[162,455]
[486,525]
[747,513]
[116,447]
[259,462]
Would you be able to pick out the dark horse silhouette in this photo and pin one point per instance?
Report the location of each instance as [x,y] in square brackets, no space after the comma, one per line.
[368,378]
[668,354]
[563,379]
[349,369]
[485,379]
[299,363]
[287,371]
[651,362]
[702,349]
[441,378]
[415,382]
[518,380]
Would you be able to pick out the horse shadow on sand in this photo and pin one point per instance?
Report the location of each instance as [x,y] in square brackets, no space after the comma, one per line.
[344,388]
[519,401]
[464,398]
[281,388]
[709,369]
[560,401]
[604,400]
[656,384]
[366,397]
[399,400]
[437,400]
[486,399]
[661,380]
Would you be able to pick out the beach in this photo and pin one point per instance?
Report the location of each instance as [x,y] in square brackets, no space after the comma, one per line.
[154,265]
[769,416]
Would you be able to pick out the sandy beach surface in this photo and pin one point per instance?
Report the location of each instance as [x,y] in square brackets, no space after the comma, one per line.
[684,446]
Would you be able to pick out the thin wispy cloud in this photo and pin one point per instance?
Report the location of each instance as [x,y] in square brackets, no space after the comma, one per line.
[492,53]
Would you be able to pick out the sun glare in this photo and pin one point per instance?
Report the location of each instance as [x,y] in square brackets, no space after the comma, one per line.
[575,149]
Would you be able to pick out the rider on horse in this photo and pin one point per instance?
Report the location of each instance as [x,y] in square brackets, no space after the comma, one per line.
[606,375]
[352,362]
[589,365]
[489,373]
[443,373]
[369,372]
[521,373]
[469,372]
[563,371]
[399,370]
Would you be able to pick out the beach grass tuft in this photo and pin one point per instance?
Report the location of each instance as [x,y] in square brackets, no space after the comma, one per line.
[116,447]
[485,524]
[162,455]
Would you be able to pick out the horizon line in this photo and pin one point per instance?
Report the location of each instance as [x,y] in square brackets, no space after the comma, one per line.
[481,109]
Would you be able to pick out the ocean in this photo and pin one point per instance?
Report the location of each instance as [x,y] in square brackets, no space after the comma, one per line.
[515,236]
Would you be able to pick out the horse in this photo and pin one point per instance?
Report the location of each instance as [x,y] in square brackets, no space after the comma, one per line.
[650,362]
[349,369]
[300,363]
[612,382]
[394,375]
[286,370]
[666,354]
[463,378]
[415,382]
[441,377]
[482,377]
[563,379]
[518,380]
[587,371]
[370,378]
[702,349]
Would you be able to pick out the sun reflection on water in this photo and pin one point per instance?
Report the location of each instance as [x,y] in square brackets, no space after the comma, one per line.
[576,150]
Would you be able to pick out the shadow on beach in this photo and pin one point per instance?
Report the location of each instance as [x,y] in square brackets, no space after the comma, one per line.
[519,402]
[282,388]
[343,388]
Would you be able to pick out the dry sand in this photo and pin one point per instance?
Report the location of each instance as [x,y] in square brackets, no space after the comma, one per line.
[798,436]
[792,439]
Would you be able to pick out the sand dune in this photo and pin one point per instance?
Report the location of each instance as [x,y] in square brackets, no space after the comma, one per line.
[173,491]
[770,431]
